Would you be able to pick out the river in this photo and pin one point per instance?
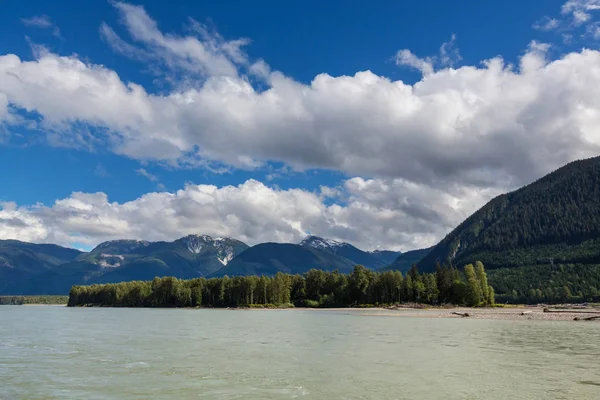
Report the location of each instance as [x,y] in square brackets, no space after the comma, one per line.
[107,353]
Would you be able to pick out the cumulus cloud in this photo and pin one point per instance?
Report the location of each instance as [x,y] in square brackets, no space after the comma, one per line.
[373,213]
[546,24]
[43,22]
[489,125]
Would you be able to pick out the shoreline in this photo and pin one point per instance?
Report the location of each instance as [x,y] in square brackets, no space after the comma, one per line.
[557,312]
[511,313]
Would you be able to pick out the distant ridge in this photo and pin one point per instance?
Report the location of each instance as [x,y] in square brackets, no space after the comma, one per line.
[370,259]
[270,258]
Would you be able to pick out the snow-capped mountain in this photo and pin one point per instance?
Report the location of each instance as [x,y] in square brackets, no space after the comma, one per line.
[321,243]
[226,248]
[370,259]
[191,256]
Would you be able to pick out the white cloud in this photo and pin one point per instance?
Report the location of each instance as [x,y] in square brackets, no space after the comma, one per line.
[580,10]
[471,124]
[449,54]
[378,213]
[43,22]
[407,58]
[20,225]
[546,24]
[186,58]
[593,30]
[3,107]
[146,174]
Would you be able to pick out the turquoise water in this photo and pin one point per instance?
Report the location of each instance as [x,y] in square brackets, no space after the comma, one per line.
[103,353]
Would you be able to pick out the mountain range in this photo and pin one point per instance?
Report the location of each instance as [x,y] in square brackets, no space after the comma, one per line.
[27,268]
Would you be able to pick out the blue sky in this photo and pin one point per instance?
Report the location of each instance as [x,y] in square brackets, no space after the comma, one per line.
[274,108]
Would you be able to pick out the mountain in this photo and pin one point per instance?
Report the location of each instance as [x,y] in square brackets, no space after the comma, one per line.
[405,261]
[193,255]
[370,259]
[40,269]
[270,258]
[555,219]
[21,260]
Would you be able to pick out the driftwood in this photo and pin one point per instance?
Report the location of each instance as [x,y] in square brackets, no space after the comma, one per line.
[461,314]
[571,311]
[526,312]
[586,318]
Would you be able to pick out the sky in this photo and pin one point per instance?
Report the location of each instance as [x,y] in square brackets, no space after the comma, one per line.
[384,123]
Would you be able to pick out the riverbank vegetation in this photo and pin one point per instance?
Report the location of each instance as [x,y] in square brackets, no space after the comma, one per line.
[316,288]
[21,300]
[558,283]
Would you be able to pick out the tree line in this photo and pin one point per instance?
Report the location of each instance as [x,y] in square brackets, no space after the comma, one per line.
[20,300]
[315,288]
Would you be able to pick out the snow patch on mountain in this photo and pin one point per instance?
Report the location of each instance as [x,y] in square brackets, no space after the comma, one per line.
[110,260]
[222,246]
[321,243]
[226,256]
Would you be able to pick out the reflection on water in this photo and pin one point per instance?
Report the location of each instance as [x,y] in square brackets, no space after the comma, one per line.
[57,352]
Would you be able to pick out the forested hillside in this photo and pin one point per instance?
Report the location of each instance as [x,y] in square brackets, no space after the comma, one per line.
[555,219]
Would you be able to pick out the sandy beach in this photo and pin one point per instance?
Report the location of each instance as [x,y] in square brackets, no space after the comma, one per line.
[559,313]
[517,313]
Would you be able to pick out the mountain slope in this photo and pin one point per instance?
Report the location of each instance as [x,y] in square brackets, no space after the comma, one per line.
[192,255]
[373,260]
[270,258]
[557,217]
[406,260]
[20,260]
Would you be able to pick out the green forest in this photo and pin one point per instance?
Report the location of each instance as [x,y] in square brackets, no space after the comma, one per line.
[557,283]
[315,288]
[20,300]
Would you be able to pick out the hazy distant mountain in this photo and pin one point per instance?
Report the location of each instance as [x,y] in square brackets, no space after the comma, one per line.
[270,258]
[370,259]
[20,261]
[557,217]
